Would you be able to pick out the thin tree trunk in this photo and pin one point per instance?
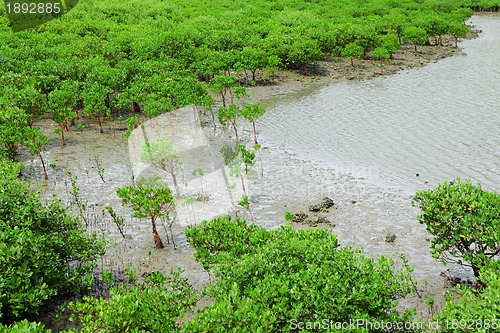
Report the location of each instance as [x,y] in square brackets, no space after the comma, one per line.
[158,242]
[194,216]
[251,215]
[243,185]
[100,125]
[106,102]
[177,195]
[477,274]
[254,132]
[172,236]
[62,135]
[236,133]
[246,77]
[213,117]
[43,165]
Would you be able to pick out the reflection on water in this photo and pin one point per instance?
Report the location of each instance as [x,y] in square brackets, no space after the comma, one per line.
[439,121]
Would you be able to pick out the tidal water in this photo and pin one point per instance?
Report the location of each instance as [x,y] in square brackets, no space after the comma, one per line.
[439,121]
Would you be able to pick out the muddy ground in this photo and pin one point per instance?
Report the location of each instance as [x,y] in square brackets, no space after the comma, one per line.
[381,220]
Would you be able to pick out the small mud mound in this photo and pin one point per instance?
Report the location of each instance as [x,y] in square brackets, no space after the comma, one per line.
[323,206]
[303,218]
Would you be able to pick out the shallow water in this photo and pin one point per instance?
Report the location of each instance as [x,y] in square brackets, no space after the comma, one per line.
[439,121]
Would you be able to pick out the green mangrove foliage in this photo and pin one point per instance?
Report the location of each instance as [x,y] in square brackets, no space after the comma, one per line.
[465,221]
[155,56]
[224,235]
[162,155]
[475,312]
[148,198]
[269,280]
[156,305]
[25,326]
[43,249]
[251,112]
[239,160]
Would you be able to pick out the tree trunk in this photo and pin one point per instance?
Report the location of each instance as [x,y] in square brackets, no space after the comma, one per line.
[177,195]
[213,117]
[479,283]
[62,135]
[223,99]
[236,133]
[246,76]
[243,185]
[352,63]
[100,125]
[253,74]
[43,165]
[106,102]
[158,242]
[135,108]
[254,132]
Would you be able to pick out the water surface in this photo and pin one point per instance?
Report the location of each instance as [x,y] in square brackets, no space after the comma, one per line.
[439,121]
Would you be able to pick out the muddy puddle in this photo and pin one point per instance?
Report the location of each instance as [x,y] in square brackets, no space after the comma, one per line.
[360,143]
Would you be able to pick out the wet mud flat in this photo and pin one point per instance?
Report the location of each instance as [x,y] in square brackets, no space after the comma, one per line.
[362,215]
[379,219]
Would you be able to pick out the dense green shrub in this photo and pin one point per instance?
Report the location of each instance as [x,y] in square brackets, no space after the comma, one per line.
[475,312]
[43,249]
[223,234]
[153,306]
[12,124]
[24,326]
[465,221]
[284,277]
